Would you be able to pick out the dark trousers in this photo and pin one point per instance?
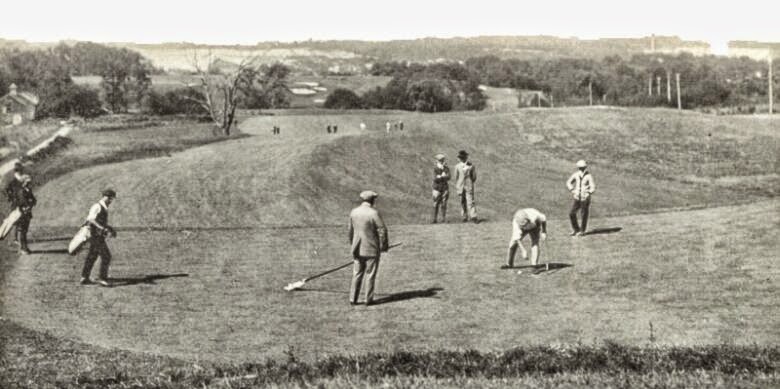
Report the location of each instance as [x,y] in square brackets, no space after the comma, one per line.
[584,207]
[97,248]
[22,226]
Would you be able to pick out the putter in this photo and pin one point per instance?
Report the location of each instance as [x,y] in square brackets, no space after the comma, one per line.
[299,284]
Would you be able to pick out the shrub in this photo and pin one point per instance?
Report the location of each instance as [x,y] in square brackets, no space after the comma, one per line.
[343,99]
[174,102]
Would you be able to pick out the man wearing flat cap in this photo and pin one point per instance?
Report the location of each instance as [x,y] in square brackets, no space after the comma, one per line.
[441,188]
[368,237]
[465,177]
[581,186]
[97,220]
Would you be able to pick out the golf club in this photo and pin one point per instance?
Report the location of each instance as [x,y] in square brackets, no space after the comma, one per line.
[298,284]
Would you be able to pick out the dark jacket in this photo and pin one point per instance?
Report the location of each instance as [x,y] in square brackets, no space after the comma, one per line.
[10,190]
[24,199]
[441,177]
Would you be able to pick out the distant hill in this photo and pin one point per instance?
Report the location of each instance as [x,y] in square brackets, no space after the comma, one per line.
[353,57]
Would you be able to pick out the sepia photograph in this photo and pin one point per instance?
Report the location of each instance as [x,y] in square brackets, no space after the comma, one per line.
[406,194]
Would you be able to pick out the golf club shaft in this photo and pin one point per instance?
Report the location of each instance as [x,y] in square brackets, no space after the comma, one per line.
[343,266]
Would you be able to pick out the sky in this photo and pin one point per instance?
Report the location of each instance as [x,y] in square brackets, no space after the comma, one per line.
[248,22]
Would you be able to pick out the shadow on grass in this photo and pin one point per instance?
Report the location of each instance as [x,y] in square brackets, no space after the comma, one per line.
[56,239]
[544,268]
[49,251]
[606,230]
[408,295]
[146,280]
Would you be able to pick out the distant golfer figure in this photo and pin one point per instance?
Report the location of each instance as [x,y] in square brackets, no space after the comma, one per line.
[99,228]
[368,237]
[25,201]
[441,188]
[465,177]
[528,221]
[362,126]
[11,189]
[387,127]
[581,186]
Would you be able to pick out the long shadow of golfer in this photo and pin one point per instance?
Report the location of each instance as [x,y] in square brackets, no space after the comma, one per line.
[58,239]
[49,251]
[408,295]
[146,280]
[605,230]
[550,268]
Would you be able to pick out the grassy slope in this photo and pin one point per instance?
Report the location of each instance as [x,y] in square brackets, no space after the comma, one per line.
[700,277]
[643,160]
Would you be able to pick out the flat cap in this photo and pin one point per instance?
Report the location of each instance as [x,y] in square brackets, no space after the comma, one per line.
[368,195]
[109,193]
[462,154]
[581,163]
[439,157]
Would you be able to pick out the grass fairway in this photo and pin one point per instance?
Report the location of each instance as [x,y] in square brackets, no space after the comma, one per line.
[698,277]
[686,206]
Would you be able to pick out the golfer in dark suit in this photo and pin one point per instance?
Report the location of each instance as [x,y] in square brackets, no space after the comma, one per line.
[25,201]
[368,237]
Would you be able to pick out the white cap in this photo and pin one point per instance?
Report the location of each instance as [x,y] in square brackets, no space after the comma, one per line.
[581,163]
[367,195]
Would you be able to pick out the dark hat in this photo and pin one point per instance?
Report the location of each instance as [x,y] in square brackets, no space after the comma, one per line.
[18,166]
[462,154]
[109,193]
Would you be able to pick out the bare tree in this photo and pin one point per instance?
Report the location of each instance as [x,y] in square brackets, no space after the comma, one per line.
[219,93]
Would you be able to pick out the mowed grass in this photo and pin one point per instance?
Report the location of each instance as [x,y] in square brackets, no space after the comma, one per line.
[643,161]
[680,278]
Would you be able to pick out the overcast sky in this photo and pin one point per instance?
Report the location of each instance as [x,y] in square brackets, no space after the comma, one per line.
[231,22]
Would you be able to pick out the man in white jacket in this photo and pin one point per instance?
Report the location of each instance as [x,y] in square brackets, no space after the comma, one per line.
[581,186]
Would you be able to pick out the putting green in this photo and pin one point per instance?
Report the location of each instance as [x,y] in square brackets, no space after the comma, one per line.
[699,277]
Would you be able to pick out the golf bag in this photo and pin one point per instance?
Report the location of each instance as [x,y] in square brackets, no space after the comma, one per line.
[9,222]
[77,243]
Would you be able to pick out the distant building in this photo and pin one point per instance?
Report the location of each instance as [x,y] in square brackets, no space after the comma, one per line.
[17,107]
[759,51]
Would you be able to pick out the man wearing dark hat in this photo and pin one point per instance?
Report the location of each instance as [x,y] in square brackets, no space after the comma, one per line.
[581,186]
[465,176]
[25,201]
[368,237]
[99,229]
[441,188]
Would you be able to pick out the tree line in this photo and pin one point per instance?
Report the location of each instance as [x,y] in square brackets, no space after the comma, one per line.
[641,80]
[416,87]
[125,82]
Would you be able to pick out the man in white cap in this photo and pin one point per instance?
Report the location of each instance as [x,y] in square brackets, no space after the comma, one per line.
[441,188]
[368,237]
[533,223]
[581,186]
[465,177]
[97,220]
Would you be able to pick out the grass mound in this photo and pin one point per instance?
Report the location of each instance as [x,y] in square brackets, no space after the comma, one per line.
[643,160]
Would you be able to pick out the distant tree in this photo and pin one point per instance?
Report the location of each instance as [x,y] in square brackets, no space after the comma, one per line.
[85,102]
[266,87]
[178,101]
[219,95]
[429,96]
[124,73]
[342,98]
